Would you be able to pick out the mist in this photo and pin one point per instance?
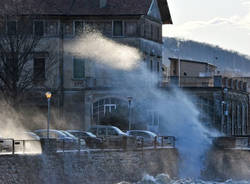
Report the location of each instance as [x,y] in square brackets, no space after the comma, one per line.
[178,115]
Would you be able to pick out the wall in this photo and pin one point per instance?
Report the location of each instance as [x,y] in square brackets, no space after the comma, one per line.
[227,164]
[95,167]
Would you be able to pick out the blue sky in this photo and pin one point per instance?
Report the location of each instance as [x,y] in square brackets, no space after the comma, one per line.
[220,22]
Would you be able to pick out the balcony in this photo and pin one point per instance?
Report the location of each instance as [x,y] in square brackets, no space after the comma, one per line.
[213,81]
[192,81]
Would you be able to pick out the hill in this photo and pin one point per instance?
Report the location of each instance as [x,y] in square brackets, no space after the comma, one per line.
[227,62]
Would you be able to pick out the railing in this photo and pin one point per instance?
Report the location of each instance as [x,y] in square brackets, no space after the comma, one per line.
[111,82]
[232,142]
[11,146]
[192,81]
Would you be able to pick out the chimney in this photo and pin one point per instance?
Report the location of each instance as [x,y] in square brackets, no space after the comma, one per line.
[103,3]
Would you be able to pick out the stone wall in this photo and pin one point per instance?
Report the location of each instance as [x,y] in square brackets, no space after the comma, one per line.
[224,164]
[102,167]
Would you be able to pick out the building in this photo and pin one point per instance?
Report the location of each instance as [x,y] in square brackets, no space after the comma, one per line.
[81,97]
[184,67]
[223,102]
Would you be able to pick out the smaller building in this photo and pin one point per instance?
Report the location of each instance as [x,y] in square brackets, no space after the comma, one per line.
[223,102]
[183,67]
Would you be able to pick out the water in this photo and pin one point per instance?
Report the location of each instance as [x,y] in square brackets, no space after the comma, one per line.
[165,179]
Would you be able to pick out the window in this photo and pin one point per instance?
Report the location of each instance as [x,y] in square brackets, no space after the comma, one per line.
[112,132]
[102,107]
[78,27]
[78,68]
[102,131]
[93,130]
[108,108]
[153,118]
[68,28]
[52,28]
[2,27]
[39,69]
[158,66]
[38,28]
[131,28]
[117,28]
[152,31]
[11,27]
[151,65]
[158,33]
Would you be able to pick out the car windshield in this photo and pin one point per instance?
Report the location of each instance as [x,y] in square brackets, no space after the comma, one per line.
[142,133]
[90,134]
[68,134]
[118,130]
[52,134]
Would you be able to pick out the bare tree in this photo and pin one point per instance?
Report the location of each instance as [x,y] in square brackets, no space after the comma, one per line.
[19,43]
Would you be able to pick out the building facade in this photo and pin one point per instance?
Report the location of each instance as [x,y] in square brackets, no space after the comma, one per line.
[81,95]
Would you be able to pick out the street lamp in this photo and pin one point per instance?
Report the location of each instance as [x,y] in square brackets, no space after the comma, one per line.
[179,62]
[129,108]
[48,95]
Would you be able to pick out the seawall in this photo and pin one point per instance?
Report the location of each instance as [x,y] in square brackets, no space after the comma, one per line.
[95,167]
[224,164]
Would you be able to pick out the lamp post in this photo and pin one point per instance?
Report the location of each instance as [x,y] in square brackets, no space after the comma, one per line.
[129,111]
[48,95]
[179,63]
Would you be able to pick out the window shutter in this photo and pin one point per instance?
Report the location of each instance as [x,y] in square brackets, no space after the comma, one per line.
[79,68]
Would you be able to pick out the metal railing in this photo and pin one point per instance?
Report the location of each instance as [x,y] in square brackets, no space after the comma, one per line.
[11,146]
[232,141]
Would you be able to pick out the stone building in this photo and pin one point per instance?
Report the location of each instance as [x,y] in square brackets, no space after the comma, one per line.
[79,95]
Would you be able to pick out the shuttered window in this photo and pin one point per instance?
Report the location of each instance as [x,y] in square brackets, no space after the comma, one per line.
[11,27]
[117,28]
[79,68]
[39,69]
[38,28]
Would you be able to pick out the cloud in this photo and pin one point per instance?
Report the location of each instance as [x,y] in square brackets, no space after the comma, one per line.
[242,22]
[231,31]
[245,3]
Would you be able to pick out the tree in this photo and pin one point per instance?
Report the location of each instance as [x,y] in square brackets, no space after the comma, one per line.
[20,39]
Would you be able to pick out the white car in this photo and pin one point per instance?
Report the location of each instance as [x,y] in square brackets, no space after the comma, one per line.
[149,138]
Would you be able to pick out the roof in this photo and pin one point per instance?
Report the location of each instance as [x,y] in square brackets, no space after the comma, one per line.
[191,61]
[87,7]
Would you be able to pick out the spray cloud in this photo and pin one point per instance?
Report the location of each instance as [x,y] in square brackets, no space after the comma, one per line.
[178,116]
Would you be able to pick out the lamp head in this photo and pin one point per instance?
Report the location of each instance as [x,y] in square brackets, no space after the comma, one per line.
[48,94]
[130,98]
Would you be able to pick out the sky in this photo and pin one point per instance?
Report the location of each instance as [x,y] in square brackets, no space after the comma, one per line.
[225,23]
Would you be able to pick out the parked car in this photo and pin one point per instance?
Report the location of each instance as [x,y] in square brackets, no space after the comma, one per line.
[113,136]
[76,139]
[105,131]
[147,136]
[91,140]
[63,140]
[27,136]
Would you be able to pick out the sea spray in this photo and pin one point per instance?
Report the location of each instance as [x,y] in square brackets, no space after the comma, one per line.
[178,115]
